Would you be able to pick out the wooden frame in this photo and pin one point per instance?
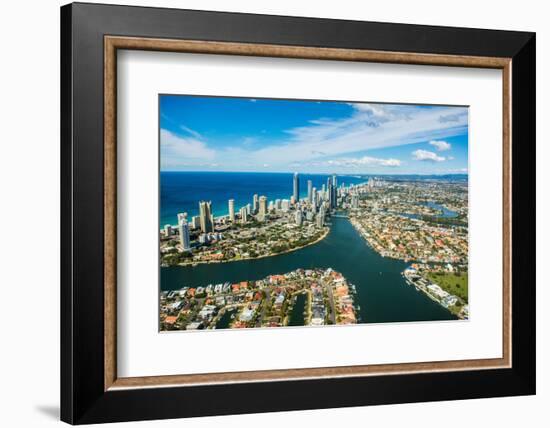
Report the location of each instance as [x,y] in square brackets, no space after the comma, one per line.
[513,54]
[113,43]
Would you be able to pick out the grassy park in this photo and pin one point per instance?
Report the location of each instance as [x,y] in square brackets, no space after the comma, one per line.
[455,283]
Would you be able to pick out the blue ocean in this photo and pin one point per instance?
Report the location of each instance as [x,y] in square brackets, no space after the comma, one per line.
[182,191]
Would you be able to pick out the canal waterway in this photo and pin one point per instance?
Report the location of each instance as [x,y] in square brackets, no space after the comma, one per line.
[382,293]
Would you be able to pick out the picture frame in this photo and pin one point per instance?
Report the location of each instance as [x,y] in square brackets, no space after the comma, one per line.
[91,35]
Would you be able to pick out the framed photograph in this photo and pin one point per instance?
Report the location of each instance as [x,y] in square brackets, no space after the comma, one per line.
[273,213]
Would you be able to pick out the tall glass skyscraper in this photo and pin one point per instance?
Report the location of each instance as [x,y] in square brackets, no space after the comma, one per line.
[334,192]
[184,235]
[296,192]
[255,204]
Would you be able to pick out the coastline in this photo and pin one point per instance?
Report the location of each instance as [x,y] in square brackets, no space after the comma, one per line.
[192,264]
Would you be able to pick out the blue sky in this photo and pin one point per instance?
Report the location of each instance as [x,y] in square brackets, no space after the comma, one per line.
[245,134]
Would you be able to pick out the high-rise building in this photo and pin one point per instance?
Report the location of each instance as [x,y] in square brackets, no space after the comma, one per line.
[167,230]
[182,217]
[285,205]
[333,192]
[298,217]
[248,209]
[206,218]
[313,195]
[262,211]
[309,191]
[244,215]
[231,204]
[195,222]
[184,235]
[255,204]
[330,192]
[321,216]
[277,204]
[354,201]
[296,188]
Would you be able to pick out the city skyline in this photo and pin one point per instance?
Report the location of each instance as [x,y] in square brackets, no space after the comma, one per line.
[285,277]
[325,192]
[313,137]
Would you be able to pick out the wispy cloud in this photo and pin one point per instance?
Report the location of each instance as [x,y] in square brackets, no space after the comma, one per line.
[440,145]
[425,155]
[191,132]
[350,162]
[249,141]
[454,117]
[365,161]
[180,150]
[359,137]
[371,126]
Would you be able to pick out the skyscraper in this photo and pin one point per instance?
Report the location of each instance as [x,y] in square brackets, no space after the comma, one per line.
[167,230]
[244,215]
[255,204]
[205,213]
[296,192]
[263,207]
[298,217]
[334,192]
[329,192]
[285,205]
[309,191]
[321,216]
[354,201]
[181,217]
[184,235]
[231,210]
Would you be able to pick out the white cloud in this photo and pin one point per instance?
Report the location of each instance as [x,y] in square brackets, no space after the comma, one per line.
[192,132]
[344,140]
[364,161]
[371,126]
[440,145]
[248,141]
[174,147]
[425,155]
[454,117]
